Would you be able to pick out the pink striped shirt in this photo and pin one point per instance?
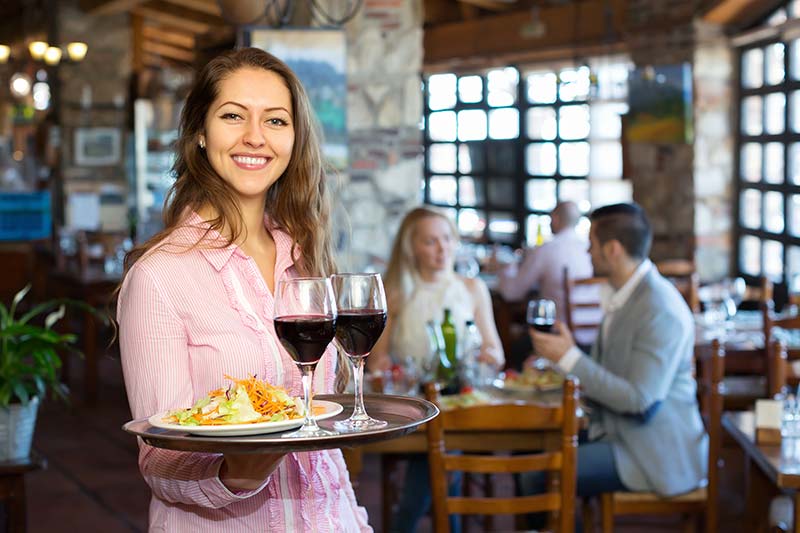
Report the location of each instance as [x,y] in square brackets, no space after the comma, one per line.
[187,318]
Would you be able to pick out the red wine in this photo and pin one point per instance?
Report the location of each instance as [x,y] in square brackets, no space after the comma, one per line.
[305,337]
[544,325]
[357,330]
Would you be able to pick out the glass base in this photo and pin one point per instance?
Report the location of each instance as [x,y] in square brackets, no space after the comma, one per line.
[359,424]
[307,432]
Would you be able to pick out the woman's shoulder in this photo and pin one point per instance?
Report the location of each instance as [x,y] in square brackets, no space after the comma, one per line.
[170,256]
[474,285]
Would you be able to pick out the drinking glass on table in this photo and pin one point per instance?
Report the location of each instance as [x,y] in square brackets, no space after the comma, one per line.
[541,316]
[305,321]
[361,303]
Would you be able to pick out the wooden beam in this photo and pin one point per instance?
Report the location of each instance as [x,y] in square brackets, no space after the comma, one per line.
[565,26]
[492,5]
[439,12]
[137,34]
[206,6]
[107,7]
[178,16]
[734,12]
[468,11]
[172,52]
[172,37]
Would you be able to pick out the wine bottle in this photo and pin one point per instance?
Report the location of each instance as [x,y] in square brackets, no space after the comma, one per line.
[448,372]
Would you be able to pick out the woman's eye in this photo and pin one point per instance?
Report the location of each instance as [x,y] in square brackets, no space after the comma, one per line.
[230,116]
[276,122]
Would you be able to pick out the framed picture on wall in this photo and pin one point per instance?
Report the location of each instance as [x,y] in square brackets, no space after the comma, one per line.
[319,58]
[96,147]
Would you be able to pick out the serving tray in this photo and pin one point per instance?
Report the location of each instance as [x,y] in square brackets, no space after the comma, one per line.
[403,414]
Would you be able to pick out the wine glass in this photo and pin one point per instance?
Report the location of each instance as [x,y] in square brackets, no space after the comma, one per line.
[305,321]
[362,316]
[736,288]
[541,316]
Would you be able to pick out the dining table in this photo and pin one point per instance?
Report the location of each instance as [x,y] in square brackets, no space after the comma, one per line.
[771,469]
[94,287]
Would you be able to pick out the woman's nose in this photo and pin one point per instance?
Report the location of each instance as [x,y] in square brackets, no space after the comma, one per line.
[254,136]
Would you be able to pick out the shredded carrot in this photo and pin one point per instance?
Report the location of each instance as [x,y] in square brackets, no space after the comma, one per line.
[262,395]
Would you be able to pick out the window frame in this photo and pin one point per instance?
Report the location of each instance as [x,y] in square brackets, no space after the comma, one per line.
[520,176]
[786,138]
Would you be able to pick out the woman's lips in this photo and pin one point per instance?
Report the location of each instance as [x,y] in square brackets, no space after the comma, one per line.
[250,162]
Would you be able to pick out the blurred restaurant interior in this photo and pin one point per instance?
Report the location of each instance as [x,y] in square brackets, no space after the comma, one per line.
[493,111]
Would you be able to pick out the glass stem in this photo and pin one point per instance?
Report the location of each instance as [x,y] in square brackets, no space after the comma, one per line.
[307,378]
[359,412]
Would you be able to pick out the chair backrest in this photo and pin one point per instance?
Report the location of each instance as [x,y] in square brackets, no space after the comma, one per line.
[761,293]
[683,274]
[777,352]
[583,314]
[713,420]
[508,417]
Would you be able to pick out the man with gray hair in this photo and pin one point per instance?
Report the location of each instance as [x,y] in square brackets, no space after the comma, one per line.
[542,268]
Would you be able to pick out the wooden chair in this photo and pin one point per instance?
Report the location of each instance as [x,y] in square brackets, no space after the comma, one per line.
[703,500]
[560,498]
[761,293]
[683,274]
[574,307]
[792,352]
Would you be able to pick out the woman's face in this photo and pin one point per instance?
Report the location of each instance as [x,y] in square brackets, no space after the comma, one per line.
[432,244]
[249,131]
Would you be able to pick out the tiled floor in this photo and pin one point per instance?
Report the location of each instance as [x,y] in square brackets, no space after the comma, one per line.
[92,482]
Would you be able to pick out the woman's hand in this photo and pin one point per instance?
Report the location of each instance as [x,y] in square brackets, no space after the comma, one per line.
[247,471]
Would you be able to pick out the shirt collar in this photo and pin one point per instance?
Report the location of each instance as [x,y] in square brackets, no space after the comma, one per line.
[218,255]
[621,296]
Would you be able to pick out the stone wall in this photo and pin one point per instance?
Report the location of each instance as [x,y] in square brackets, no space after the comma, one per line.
[383,117]
[713,151]
[662,173]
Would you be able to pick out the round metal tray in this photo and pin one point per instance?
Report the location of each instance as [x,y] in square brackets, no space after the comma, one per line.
[403,414]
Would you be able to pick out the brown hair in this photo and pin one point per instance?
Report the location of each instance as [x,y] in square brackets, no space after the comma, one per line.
[297,202]
[402,268]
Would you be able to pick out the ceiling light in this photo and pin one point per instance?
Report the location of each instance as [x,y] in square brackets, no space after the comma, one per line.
[77,50]
[38,49]
[53,55]
[20,85]
[5,52]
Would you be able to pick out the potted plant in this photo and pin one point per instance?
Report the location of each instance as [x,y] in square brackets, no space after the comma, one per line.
[29,368]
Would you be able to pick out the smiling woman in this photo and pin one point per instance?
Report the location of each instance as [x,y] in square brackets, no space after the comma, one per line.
[249,132]
[249,207]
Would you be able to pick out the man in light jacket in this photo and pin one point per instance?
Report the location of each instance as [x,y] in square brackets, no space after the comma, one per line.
[645,430]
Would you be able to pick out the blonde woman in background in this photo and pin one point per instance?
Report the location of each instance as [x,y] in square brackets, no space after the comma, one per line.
[420,283]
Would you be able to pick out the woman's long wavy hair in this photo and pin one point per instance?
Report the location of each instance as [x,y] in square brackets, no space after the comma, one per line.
[297,202]
[402,271]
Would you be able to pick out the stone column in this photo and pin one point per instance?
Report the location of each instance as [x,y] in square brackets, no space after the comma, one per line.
[713,151]
[384,113]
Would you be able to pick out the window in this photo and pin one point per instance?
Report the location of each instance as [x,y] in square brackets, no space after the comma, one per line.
[768,170]
[502,147]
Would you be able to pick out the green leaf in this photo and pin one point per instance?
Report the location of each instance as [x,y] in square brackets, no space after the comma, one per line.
[22,393]
[5,394]
[4,316]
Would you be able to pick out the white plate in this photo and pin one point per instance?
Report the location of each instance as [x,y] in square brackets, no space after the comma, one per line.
[241,430]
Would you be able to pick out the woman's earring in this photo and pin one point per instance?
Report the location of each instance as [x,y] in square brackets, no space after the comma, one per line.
[202,144]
